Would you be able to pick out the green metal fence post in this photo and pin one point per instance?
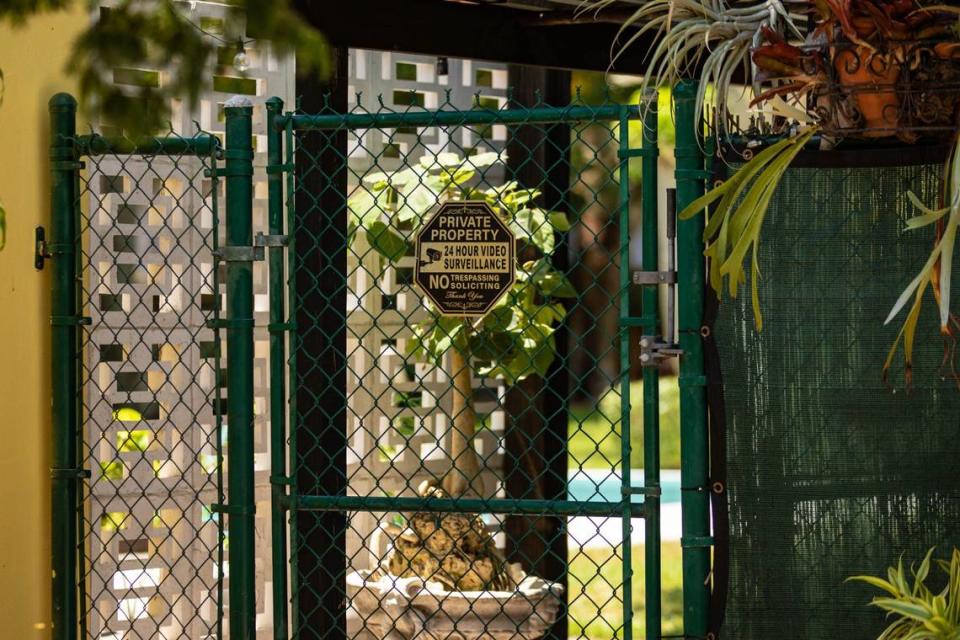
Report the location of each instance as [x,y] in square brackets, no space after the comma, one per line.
[694,466]
[651,376]
[237,252]
[65,473]
[278,467]
[626,446]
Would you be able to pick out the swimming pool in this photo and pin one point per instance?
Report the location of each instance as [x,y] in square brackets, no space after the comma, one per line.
[604,486]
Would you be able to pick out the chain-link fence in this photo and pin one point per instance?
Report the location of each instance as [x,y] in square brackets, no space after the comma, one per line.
[150,379]
[428,474]
[432,455]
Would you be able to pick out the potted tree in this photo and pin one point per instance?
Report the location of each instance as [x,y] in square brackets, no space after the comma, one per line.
[442,572]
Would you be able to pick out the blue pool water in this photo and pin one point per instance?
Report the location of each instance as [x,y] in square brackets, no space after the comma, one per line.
[600,485]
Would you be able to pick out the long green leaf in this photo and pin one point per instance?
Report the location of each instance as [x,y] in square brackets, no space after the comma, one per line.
[879,583]
[913,610]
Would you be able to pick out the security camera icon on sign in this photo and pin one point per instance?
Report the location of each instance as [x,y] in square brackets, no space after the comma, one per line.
[432,256]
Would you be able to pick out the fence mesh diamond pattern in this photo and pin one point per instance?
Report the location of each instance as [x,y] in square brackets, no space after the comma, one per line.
[150,378]
[429,449]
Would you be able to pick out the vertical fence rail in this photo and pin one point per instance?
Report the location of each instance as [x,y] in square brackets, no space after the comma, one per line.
[625,432]
[651,377]
[291,369]
[240,479]
[278,393]
[64,320]
[695,496]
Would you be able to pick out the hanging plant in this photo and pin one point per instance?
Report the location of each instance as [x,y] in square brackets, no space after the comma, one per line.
[867,69]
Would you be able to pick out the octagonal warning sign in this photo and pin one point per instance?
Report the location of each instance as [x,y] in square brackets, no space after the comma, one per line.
[465,258]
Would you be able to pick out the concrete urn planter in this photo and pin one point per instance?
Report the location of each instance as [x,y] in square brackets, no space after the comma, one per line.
[411,608]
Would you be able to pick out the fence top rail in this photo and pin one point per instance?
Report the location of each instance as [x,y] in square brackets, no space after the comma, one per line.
[202,144]
[452,117]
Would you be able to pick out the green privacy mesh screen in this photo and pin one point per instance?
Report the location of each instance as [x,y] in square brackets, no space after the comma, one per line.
[830,474]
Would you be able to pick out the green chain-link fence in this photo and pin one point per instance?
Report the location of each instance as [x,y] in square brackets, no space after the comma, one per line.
[427,473]
[139,452]
[389,397]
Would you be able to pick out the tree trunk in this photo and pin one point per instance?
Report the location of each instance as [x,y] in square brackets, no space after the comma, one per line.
[463,477]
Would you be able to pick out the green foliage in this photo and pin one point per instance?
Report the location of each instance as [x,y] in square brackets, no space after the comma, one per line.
[515,339]
[938,269]
[737,219]
[17,11]
[136,34]
[919,612]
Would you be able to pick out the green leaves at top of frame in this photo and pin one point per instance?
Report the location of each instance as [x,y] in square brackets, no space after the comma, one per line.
[133,38]
[736,220]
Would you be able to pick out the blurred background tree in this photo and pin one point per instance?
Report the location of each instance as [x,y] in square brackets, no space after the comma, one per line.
[136,33]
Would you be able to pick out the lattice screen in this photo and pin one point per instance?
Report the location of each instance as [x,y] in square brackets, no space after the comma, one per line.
[398,414]
[148,225]
[160,580]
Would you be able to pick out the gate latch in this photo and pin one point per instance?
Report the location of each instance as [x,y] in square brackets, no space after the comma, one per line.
[253,253]
[40,250]
[653,349]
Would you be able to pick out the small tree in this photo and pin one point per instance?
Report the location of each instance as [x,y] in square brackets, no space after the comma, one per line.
[514,340]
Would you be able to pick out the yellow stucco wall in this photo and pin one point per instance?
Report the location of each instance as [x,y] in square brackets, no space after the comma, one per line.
[32,58]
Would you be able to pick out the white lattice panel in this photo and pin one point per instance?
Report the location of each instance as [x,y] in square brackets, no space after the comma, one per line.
[162,300]
[152,569]
[399,415]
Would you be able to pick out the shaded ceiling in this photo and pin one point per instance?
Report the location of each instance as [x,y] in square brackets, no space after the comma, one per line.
[532,32]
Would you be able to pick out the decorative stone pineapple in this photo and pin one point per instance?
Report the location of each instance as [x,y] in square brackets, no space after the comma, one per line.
[454,549]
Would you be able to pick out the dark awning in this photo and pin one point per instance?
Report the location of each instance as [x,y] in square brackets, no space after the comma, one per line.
[533,32]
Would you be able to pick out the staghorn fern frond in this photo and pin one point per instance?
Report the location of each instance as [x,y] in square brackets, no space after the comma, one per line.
[938,269]
[736,220]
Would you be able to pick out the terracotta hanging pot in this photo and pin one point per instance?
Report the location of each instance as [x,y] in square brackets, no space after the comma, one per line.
[868,79]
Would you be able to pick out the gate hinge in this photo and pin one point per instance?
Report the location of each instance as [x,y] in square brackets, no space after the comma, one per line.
[279,168]
[234,510]
[696,541]
[40,250]
[70,321]
[281,327]
[239,254]
[43,250]
[70,474]
[653,349]
[263,240]
[643,152]
[649,492]
[654,277]
[229,323]
[66,165]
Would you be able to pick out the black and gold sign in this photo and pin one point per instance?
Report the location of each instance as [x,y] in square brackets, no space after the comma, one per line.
[465,258]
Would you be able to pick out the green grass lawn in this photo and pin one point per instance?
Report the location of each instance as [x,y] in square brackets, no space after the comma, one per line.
[596,595]
[594,431]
